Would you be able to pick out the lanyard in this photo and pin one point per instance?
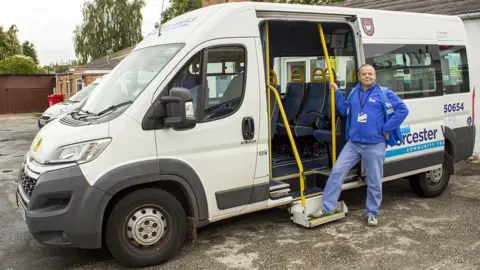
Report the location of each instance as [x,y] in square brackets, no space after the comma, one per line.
[363,105]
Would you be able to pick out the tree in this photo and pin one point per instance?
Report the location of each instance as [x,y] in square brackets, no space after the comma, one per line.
[19,64]
[107,25]
[9,44]
[177,8]
[28,49]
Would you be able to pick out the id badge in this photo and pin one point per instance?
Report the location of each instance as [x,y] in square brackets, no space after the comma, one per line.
[362,118]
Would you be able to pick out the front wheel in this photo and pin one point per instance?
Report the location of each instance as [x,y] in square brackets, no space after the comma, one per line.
[433,183]
[146,228]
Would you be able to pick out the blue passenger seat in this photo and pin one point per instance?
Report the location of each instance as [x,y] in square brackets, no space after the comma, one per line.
[291,104]
[314,108]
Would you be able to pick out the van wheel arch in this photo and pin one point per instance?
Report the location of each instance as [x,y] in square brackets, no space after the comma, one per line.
[176,186]
[144,173]
[450,142]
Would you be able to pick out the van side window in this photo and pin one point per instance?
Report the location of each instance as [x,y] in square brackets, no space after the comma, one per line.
[412,71]
[454,69]
[190,77]
[225,81]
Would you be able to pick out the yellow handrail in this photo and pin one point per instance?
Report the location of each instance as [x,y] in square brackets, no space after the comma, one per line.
[332,95]
[292,142]
[285,122]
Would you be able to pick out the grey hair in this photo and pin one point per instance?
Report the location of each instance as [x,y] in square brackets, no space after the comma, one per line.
[365,65]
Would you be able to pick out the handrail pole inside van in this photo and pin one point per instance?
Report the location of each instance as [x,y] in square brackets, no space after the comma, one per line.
[285,121]
[332,95]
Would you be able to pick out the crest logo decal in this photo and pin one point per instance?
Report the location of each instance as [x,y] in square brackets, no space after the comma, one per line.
[367,26]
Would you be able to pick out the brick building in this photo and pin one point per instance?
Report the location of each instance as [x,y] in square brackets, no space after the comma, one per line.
[77,77]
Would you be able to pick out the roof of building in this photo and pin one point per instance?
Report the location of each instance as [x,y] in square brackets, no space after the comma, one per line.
[442,7]
[106,63]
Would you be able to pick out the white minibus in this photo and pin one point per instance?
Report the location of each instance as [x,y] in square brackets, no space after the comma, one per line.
[227,110]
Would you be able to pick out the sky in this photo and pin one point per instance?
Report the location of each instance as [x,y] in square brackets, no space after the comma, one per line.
[49,24]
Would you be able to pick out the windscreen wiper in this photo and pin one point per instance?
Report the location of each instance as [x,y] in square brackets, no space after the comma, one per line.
[83,114]
[114,107]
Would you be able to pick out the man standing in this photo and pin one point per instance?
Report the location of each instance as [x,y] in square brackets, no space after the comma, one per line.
[374,115]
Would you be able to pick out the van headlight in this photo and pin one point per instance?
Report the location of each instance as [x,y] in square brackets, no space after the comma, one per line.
[80,152]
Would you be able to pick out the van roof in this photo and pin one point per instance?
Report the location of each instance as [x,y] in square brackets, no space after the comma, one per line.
[238,19]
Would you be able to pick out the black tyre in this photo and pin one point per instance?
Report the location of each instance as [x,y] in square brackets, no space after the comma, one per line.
[433,183]
[145,228]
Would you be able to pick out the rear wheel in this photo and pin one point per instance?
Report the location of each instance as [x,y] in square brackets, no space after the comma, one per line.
[433,183]
[146,228]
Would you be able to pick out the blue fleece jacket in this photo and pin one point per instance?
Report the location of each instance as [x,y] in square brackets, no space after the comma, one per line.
[372,130]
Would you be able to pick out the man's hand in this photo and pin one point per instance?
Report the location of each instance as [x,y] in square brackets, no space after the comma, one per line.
[385,135]
[334,85]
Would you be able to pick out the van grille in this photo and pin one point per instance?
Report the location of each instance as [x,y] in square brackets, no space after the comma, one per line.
[28,183]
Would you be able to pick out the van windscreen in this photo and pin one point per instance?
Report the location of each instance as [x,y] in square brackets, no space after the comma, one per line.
[131,77]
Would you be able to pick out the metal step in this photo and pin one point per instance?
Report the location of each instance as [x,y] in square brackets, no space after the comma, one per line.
[277,185]
[300,214]
[280,193]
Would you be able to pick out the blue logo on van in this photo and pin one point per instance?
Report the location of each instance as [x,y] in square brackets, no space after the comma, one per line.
[428,138]
[469,120]
[420,136]
[179,24]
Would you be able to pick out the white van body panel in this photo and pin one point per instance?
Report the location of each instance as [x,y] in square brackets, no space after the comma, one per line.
[262,173]
[130,144]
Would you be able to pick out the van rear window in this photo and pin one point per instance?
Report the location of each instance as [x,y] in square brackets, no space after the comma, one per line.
[454,69]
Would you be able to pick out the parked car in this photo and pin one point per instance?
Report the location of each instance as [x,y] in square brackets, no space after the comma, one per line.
[68,105]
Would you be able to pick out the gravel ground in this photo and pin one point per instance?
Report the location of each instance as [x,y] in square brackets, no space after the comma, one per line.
[414,233]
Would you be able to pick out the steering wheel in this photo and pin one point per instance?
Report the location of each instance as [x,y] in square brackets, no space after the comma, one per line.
[222,108]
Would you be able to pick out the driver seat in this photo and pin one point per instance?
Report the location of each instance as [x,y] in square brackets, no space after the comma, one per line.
[234,89]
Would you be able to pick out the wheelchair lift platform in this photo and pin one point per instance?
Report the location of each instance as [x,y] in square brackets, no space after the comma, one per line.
[301,214]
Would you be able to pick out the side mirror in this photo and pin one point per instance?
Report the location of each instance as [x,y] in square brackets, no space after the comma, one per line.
[177,109]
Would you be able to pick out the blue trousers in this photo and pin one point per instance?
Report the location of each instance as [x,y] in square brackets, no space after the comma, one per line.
[373,156]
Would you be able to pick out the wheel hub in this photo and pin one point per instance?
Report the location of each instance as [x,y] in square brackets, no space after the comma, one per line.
[146,226]
[435,176]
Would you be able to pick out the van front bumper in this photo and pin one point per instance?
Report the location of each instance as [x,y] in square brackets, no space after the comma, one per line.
[60,207]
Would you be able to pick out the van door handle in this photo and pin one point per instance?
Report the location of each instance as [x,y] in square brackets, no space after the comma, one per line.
[248,128]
